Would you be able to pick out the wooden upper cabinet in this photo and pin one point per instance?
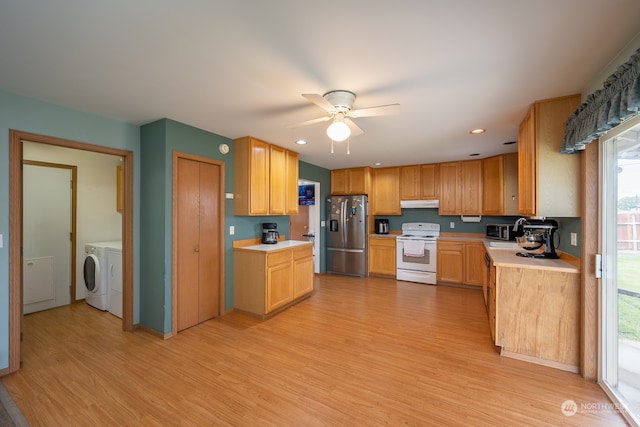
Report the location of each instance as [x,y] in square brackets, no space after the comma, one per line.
[277,177]
[359,180]
[410,182]
[419,182]
[265,178]
[548,181]
[385,195]
[429,182]
[351,181]
[461,188]
[471,187]
[500,185]
[449,188]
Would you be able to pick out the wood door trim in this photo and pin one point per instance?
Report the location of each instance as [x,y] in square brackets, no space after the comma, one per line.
[174,234]
[15,233]
[74,199]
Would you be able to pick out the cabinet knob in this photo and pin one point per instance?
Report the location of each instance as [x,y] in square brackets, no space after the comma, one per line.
[196,250]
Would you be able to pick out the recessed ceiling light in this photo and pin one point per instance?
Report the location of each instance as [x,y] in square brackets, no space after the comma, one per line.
[477,131]
[377,164]
[301,142]
[510,142]
[474,154]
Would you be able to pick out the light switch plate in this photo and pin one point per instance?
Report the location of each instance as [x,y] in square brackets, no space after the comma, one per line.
[1,241]
[452,224]
[574,239]
[232,230]
[228,195]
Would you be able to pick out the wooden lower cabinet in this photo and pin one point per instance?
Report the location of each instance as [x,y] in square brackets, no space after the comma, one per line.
[450,262]
[535,315]
[475,270]
[267,280]
[382,256]
[461,262]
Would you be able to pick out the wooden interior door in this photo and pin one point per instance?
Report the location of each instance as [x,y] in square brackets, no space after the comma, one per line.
[198,236]
[299,224]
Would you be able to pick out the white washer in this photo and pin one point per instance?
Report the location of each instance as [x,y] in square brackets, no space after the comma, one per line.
[96,273]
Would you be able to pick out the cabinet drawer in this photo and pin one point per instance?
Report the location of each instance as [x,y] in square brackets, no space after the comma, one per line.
[383,241]
[302,252]
[450,246]
[279,257]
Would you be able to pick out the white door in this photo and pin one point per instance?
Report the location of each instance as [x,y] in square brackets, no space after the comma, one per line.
[620,293]
[46,237]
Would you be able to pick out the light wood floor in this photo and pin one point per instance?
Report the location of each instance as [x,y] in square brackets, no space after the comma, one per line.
[358,352]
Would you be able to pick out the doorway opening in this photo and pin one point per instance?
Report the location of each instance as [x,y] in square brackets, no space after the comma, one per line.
[16,226]
[306,224]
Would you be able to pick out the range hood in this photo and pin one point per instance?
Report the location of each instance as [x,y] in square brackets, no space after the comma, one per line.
[415,204]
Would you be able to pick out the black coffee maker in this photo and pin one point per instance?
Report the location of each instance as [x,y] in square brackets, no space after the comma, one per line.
[270,233]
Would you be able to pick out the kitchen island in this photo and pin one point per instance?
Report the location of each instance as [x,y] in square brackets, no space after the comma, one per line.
[534,307]
[271,277]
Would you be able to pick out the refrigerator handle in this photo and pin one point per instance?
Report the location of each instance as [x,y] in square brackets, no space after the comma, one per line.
[343,220]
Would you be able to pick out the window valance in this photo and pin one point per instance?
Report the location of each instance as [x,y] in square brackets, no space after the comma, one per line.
[606,108]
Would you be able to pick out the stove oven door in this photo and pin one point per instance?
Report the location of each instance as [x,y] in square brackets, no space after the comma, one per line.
[410,259]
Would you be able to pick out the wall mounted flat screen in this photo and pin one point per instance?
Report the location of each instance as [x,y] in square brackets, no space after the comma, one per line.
[307,194]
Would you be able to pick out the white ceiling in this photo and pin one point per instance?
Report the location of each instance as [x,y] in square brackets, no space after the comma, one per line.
[239,67]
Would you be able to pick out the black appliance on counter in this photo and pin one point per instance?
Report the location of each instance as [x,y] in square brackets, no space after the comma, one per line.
[381,226]
[270,233]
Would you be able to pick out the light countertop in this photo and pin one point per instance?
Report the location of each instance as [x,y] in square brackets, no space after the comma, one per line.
[506,257]
[284,244]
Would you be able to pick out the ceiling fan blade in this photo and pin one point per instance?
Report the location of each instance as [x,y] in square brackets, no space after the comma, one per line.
[310,122]
[381,110]
[355,129]
[319,101]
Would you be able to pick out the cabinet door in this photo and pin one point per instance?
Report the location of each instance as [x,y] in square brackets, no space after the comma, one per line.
[449,188]
[527,178]
[382,256]
[386,191]
[291,183]
[303,275]
[450,262]
[410,182]
[429,182]
[475,270]
[493,185]
[471,195]
[259,177]
[339,180]
[278,287]
[358,181]
[277,178]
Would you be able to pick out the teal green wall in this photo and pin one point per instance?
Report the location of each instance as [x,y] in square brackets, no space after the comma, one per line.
[158,142]
[566,226]
[29,115]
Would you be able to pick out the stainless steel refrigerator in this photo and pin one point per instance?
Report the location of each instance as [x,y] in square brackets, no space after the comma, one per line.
[347,235]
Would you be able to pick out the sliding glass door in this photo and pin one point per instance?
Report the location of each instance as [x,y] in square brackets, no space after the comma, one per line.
[620,292]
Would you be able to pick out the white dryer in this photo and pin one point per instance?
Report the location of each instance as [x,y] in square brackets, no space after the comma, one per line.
[96,273]
[114,259]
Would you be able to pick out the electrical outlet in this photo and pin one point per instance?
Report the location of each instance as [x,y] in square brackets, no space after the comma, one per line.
[574,239]
[232,230]
[452,224]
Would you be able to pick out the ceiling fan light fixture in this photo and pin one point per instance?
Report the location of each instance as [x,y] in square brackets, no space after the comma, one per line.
[338,129]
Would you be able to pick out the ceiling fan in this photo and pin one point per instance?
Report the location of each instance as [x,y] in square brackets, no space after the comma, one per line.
[339,105]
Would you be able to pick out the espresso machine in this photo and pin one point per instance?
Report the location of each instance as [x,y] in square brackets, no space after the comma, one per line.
[531,234]
[270,233]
